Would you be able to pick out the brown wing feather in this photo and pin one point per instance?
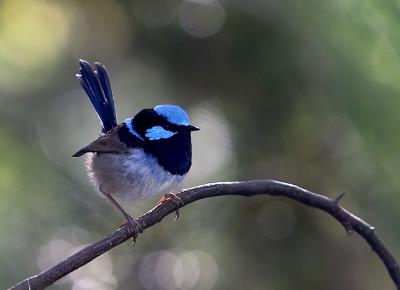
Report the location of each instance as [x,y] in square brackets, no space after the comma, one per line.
[107,143]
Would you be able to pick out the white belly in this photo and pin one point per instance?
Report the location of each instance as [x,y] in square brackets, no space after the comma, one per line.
[130,176]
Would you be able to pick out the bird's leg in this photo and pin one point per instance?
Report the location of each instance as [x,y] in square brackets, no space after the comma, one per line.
[137,228]
[175,199]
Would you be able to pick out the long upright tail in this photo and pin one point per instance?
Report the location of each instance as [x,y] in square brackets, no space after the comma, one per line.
[97,86]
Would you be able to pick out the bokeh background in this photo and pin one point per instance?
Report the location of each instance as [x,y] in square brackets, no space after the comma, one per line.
[306,92]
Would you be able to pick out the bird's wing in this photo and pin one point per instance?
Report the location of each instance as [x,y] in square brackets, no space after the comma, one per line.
[110,143]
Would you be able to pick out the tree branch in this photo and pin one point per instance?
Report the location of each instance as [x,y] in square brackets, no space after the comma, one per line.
[246,188]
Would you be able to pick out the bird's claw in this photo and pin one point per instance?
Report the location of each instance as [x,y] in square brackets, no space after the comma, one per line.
[134,228]
[175,199]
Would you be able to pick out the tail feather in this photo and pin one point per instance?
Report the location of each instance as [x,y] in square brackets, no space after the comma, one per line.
[105,84]
[97,86]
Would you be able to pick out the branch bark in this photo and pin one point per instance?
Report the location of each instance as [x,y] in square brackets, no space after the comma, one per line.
[247,188]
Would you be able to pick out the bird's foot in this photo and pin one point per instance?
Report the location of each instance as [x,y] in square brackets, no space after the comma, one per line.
[175,199]
[133,225]
[134,228]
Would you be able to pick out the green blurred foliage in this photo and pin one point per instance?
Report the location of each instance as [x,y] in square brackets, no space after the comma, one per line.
[300,91]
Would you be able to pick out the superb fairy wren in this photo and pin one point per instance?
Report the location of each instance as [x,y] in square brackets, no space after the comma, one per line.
[145,156]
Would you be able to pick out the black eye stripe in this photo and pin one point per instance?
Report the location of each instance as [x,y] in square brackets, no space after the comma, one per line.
[170,127]
[148,118]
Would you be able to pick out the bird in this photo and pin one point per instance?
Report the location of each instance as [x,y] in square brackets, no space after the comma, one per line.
[145,156]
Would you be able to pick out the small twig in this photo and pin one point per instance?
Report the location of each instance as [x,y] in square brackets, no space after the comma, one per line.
[346,224]
[339,197]
[246,188]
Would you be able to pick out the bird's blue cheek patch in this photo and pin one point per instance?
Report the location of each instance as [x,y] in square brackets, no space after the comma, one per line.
[158,132]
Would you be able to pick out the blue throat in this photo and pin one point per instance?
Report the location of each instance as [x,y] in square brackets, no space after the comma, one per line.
[174,154]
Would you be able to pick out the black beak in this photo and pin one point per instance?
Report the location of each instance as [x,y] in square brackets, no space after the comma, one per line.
[193,128]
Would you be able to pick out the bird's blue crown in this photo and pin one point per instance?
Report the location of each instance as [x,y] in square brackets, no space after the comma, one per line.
[174,114]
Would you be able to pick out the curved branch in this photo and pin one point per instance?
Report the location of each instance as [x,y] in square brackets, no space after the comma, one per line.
[246,188]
